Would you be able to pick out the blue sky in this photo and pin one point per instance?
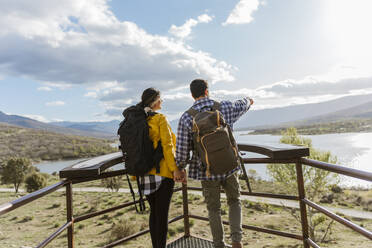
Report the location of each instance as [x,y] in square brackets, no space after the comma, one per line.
[86,60]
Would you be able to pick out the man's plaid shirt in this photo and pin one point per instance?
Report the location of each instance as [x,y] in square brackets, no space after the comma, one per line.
[231,111]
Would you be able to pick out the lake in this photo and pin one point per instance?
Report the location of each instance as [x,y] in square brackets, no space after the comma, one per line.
[353,150]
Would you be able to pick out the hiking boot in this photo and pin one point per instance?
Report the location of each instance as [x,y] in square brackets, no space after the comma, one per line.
[237,245]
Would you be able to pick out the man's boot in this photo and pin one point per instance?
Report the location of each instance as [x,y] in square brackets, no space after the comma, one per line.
[237,245]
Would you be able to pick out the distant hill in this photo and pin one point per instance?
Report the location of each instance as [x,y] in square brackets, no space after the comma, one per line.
[342,108]
[362,111]
[109,127]
[40,145]
[30,123]
[272,117]
[353,119]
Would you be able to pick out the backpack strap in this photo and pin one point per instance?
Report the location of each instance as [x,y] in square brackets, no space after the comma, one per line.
[152,113]
[216,105]
[191,111]
[141,201]
[132,192]
[158,153]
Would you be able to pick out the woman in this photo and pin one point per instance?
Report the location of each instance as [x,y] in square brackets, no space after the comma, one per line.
[158,187]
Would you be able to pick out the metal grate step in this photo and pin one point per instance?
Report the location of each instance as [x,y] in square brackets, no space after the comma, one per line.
[191,242]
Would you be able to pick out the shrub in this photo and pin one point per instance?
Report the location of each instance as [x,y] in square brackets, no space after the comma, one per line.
[180,229]
[336,189]
[26,219]
[35,181]
[171,232]
[112,183]
[55,205]
[192,222]
[120,230]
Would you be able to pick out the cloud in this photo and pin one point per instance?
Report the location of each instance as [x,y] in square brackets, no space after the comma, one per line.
[279,94]
[185,30]
[67,43]
[60,86]
[55,103]
[37,117]
[44,88]
[82,42]
[91,94]
[311,87]
[242,13]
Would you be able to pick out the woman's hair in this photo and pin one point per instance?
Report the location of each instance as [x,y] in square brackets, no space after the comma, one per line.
[198,87]
[149,95]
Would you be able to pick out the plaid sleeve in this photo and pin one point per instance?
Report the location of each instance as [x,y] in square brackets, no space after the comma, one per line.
[184,141]
[232,111]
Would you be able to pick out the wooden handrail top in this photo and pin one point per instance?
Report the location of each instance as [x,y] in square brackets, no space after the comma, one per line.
[7,207]
[96,166]
[91,167]
[280,151]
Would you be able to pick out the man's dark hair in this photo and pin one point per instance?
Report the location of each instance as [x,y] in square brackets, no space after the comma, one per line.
[198,87]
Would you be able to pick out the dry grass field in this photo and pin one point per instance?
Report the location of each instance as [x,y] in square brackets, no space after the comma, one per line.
[29,225]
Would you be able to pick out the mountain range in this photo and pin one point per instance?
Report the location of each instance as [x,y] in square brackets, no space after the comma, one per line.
[109,127]
[341,108]
[349,107]
[21,121]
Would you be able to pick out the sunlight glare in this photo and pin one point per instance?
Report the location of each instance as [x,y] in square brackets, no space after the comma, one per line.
[349,26]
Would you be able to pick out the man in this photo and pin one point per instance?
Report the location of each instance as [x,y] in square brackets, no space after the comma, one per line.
[231,112]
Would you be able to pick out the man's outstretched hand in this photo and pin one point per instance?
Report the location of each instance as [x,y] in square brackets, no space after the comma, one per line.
[180,176]
[251,101]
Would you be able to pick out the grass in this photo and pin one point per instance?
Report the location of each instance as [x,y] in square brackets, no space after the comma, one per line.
[31,224]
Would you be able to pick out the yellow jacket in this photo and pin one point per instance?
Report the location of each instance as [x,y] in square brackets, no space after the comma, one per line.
[161,130]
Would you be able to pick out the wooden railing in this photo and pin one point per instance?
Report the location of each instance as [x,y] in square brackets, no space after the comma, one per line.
[94,169]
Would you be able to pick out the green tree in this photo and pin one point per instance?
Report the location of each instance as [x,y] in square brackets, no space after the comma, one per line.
[316,181]
[14,171]
[35,181]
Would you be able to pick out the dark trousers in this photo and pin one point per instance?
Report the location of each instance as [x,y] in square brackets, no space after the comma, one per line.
[159,207]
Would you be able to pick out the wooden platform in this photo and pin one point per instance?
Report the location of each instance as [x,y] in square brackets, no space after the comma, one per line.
[191,242]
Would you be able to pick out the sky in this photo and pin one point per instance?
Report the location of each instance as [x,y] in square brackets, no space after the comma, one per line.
[86,60]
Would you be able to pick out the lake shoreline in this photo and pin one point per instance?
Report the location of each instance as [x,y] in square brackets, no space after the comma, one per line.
[353,150]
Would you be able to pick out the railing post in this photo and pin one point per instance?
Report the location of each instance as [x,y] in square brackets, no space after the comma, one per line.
[301,194]
[186,220]
[70,229]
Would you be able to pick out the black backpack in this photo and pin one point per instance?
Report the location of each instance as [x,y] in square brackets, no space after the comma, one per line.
[139,154]
[138,151]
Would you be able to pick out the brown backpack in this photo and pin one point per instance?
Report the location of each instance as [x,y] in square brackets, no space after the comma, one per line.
[213,141]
